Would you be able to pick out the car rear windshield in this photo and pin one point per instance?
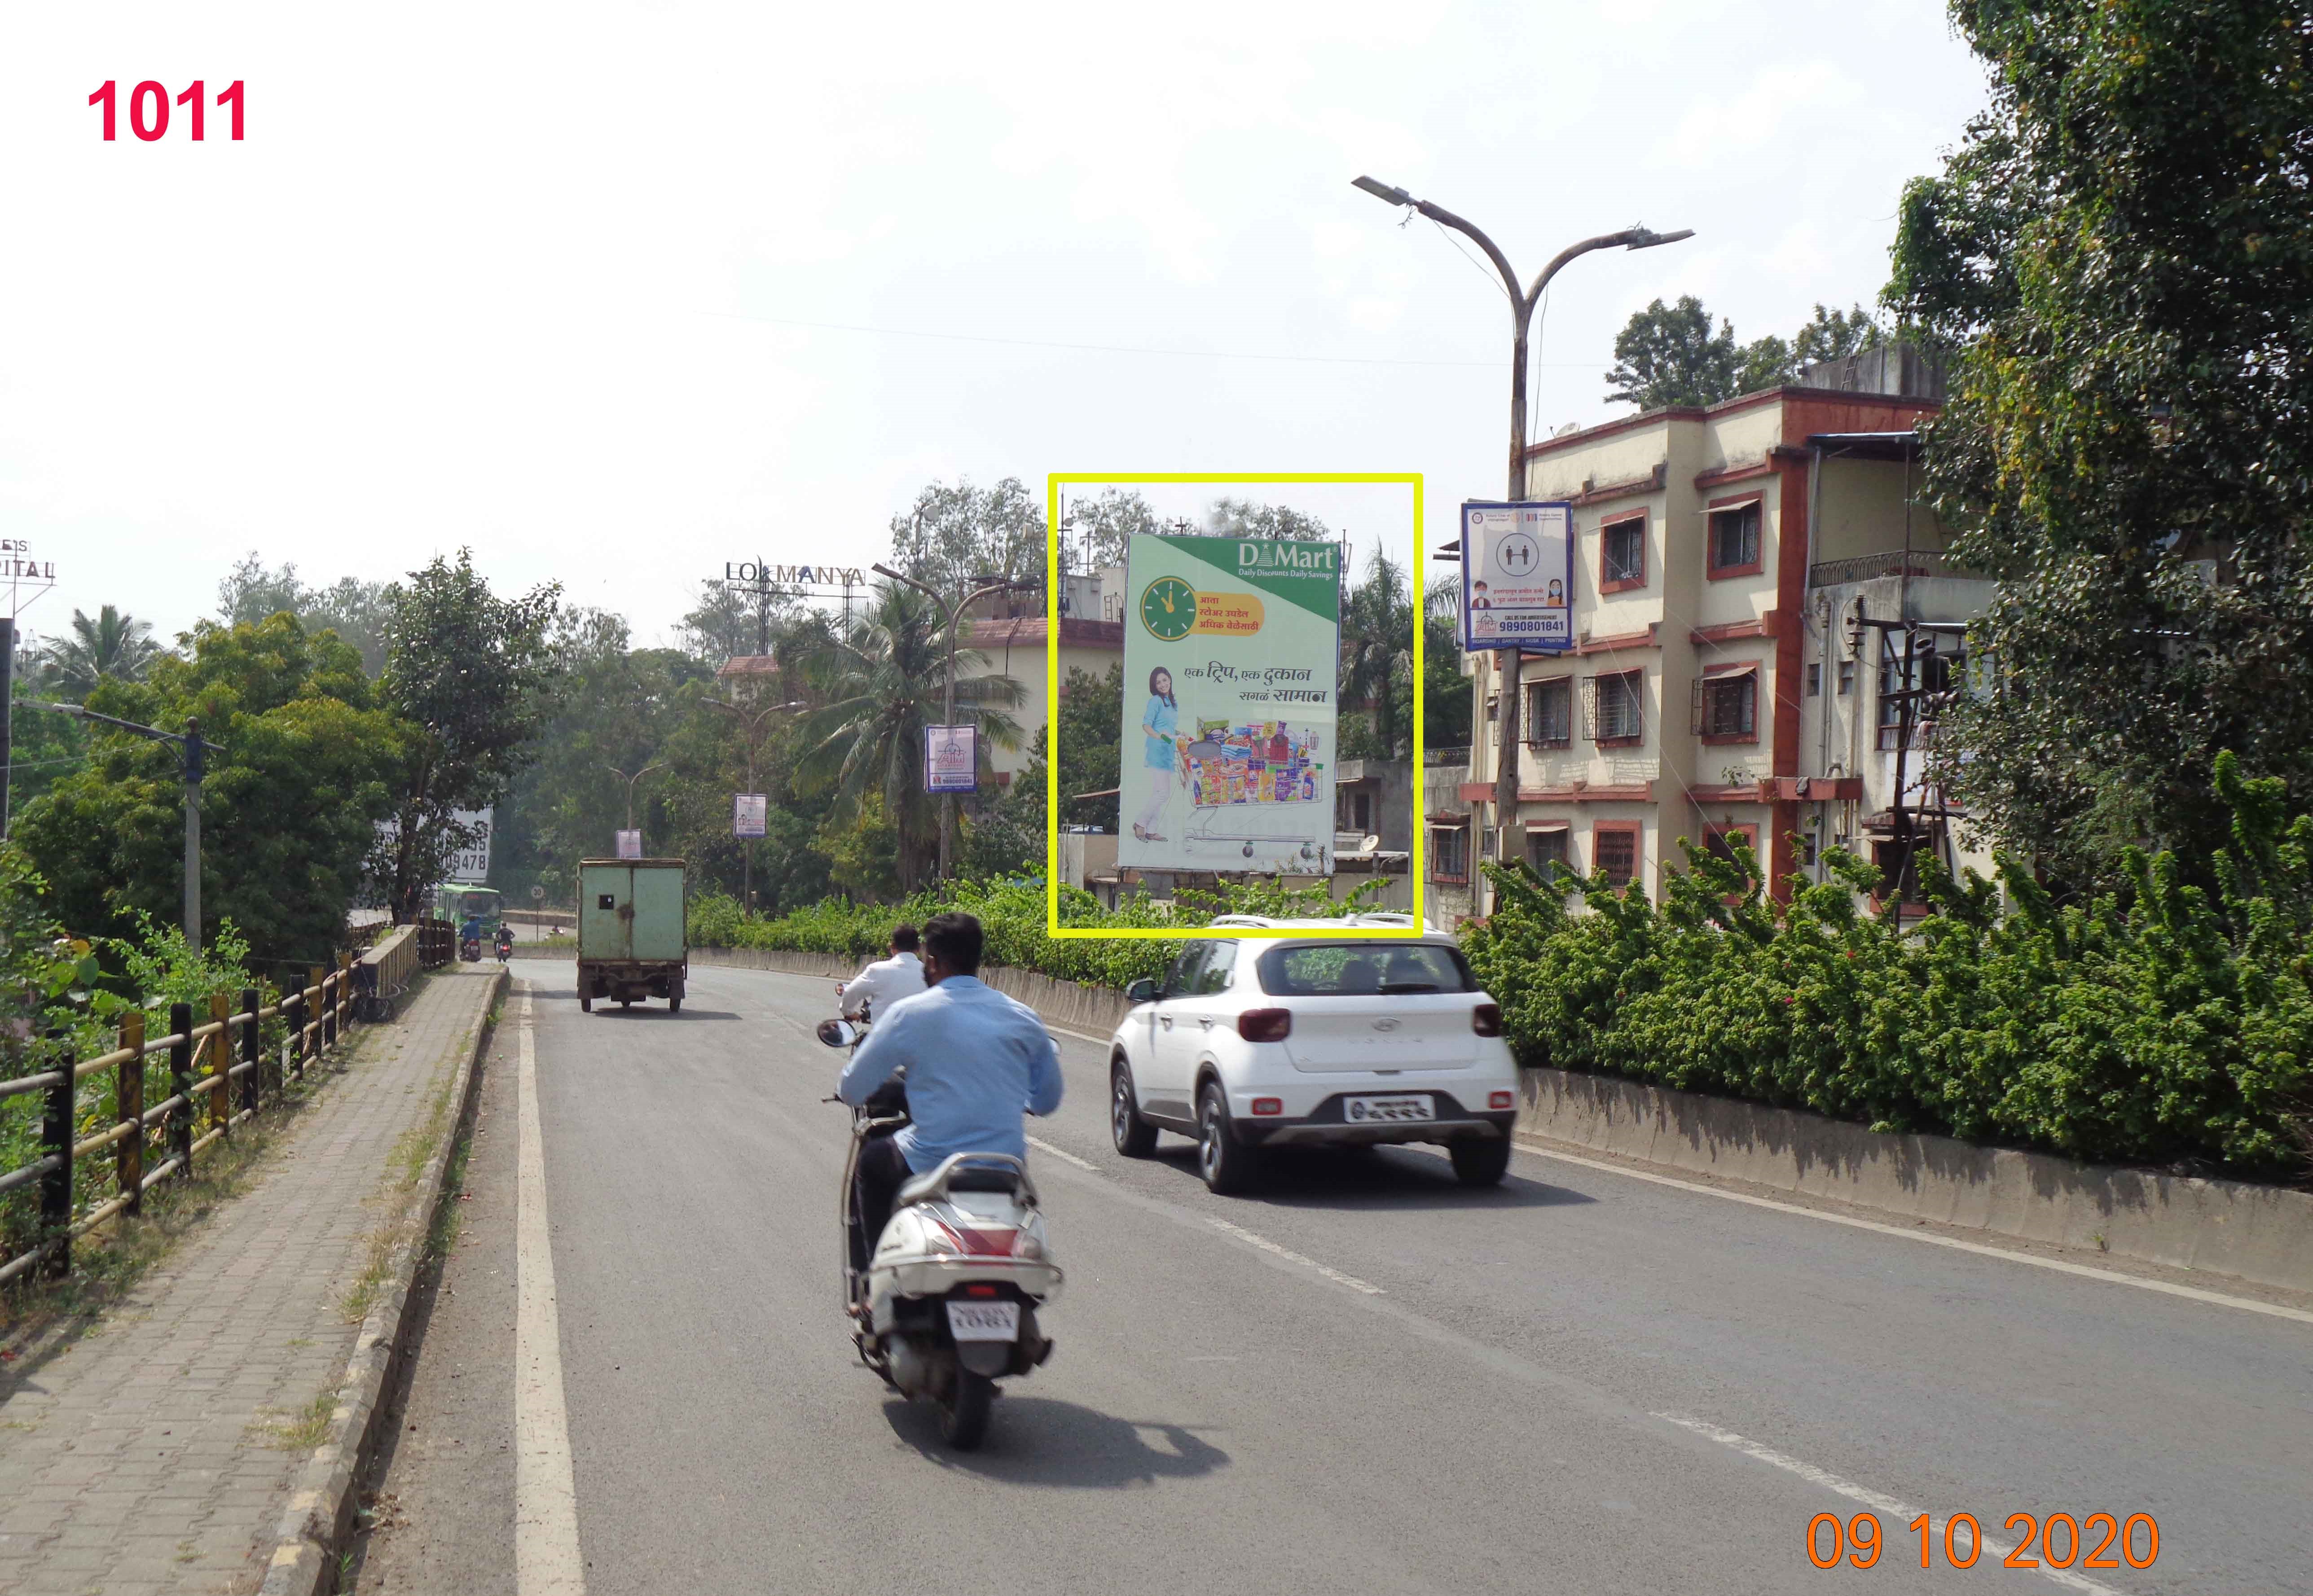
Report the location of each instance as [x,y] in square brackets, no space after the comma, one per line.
[1361,969]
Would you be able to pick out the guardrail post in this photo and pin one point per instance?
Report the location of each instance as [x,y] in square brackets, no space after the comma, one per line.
[318,992]
[251,1053]
[345,992]
[292,1016]
[128,1102]
[221,1064]
[181,1084]
[57,1184]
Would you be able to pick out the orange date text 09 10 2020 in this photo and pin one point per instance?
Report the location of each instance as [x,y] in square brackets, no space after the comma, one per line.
[2058,1541]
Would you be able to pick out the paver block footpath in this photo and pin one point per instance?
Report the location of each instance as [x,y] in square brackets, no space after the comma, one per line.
[149,1453]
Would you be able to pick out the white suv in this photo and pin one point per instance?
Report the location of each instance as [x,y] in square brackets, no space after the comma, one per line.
[1315,1040]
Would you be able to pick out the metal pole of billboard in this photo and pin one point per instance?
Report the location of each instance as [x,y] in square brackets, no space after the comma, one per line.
[1522,306]
[949,617]
[630,781]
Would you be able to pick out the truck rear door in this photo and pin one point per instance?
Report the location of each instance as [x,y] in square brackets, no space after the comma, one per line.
[606,911]
[657,929]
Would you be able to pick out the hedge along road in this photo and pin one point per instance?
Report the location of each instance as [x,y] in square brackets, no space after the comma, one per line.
[1362,1378]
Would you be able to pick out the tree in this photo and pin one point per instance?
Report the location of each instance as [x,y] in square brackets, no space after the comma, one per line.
[730,621]
[954,537]
[1377,657]
[1245,518]
[473,674]
[1099,530]
[116,644]
[880,681]
[1668,355]
[352,609]
[45,746]
[1444,690]
[2121,255]
[288,811]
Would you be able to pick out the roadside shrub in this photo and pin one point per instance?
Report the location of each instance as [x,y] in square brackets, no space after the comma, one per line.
[2162,1025]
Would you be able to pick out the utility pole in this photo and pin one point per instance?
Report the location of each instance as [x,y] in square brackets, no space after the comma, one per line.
[950,615]
[193,750]
[1523,301]
[7,716]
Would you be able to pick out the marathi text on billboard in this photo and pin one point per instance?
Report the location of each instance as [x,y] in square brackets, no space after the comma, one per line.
[1230,710]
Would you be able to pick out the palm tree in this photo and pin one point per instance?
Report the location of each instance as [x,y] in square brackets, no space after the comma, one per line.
[1376,643]
[115,644]
[878,683]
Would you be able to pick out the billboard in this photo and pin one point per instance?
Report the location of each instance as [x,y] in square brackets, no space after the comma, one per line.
[951,758]
[748,811]
[1231,647]
[470,865]
[1518,575]
[630,845]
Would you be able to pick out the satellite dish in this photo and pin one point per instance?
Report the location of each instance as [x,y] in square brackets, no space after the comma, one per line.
[1571,426]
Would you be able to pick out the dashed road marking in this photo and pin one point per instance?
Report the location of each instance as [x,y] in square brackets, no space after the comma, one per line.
[1042,1145]
[1896,1513]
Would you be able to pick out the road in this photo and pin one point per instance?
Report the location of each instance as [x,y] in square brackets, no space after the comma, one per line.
[1362,1378]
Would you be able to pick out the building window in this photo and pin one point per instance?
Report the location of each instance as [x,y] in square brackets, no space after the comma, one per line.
[1735,541]
[1727,706]
[1621,702]
[1814,681]
[1449,853]
[1720,840]
[1493,706]
[1615,849]
[1846,677]
[1622,554]
[1545,853]
[1354,813]
[1550,713]
[1486,835]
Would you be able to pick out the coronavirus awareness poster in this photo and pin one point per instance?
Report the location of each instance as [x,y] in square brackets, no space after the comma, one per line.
[1230,646]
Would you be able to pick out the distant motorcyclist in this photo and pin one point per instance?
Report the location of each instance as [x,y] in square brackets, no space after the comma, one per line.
[504,943]
[975,1061]
[885,981]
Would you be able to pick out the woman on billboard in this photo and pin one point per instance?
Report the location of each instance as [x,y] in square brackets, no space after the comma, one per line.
[1158,723]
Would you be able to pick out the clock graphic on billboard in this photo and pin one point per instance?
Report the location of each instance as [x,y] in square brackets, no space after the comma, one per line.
[1516,554]
[1168,609]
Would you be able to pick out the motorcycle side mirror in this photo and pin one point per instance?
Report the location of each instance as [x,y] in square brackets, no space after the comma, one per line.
[838,1033]
[1143,990]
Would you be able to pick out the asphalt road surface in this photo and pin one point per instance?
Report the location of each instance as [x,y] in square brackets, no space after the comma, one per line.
[1360,1379]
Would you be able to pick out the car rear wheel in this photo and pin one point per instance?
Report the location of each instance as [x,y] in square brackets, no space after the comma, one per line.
[1134,1138]
[1228,1164]
[1481,1163]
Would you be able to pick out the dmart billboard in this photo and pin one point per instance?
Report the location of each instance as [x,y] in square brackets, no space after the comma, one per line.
[1230,652]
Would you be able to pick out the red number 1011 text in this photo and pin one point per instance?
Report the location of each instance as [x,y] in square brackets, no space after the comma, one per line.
[148,109]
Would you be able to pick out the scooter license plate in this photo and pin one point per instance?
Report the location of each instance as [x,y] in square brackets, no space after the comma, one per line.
[984,1321]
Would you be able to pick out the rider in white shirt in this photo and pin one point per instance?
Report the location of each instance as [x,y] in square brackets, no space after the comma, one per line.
[885,981]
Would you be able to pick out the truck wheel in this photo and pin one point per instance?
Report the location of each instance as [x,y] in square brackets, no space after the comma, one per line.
[585,1005]
[674,1005]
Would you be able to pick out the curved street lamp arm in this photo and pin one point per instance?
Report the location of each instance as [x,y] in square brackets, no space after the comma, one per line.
[1605,240]
[1445,218]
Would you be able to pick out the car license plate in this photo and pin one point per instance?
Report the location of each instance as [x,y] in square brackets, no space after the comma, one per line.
[1373,1110]
[984,1321]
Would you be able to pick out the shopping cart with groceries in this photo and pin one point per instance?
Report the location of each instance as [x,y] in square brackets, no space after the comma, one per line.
[1254,788]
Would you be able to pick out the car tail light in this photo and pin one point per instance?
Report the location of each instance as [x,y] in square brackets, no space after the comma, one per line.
[1268,1105]
[1486,1019]
[1501,1099]
[1265,1025]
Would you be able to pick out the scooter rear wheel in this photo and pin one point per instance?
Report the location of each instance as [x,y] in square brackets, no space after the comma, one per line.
[963,1416]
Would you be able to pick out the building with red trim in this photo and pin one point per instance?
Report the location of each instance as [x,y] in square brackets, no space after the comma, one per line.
[1726,678]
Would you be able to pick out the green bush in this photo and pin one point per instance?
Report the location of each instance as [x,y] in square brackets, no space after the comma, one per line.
[1012,914]
[2161,1026]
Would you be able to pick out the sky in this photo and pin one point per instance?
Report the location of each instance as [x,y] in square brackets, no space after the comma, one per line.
[611,293]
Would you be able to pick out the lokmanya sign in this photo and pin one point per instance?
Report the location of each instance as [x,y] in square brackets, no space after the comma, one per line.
[756,571]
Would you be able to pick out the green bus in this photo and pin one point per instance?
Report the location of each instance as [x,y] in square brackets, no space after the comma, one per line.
[457,902]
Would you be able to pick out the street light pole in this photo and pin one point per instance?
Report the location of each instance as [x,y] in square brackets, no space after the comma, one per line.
[1523,301]
[630,781]
[754,724]
[948,714]
[192,753]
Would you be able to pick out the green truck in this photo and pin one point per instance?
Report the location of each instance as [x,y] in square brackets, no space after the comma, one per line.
[633,931]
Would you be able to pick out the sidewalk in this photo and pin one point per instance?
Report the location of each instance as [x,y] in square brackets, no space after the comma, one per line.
[157,1452]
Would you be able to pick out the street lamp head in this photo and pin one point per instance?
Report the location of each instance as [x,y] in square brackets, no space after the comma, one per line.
[1646,238]
[1381,190]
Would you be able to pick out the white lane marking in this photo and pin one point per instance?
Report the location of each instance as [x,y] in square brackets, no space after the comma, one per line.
[1042,1145]
[2088,1271]
[1238,1231]
[546,1560]
[1291,1257]
[1896,1515]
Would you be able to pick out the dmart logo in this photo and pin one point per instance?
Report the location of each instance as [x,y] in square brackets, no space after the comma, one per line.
[1306,559]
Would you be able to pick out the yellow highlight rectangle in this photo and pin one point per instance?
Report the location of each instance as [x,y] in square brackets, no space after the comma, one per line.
[1417,865]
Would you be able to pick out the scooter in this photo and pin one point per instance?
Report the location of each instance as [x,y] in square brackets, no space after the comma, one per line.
[470,949]
[946,1304]
[505,944]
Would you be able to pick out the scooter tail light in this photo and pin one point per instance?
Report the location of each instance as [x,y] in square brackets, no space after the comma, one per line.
[1486,1019]
[1265,1025]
